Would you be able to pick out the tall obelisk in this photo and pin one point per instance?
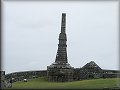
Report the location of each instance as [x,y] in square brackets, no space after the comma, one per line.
[61,56]
[60,70]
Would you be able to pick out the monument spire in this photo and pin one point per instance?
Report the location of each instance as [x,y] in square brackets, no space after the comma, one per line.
[63,23]
[61,56]
[61,70]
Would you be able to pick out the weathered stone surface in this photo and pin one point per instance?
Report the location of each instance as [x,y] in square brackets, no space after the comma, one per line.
[4,83]
[20,76]
[2,79]
[61,71]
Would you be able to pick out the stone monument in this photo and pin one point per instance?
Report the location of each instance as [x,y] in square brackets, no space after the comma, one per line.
[60,70]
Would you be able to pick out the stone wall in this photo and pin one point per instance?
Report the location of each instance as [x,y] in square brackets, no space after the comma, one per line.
[19,76]
[110,73]
[78,74]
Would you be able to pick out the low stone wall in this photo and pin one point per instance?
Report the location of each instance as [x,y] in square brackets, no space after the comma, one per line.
[19,76]
[79,74]
[110,73]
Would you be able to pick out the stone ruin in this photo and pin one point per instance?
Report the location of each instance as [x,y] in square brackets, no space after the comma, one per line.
[4,82]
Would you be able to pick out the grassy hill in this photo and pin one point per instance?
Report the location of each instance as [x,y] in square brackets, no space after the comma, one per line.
[42,83]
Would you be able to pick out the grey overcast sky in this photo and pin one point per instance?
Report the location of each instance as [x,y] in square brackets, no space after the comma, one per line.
[30,33]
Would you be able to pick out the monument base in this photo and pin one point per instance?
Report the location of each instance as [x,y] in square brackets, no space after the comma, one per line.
[60,72]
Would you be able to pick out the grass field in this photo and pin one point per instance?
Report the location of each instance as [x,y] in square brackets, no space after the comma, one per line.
[42,83]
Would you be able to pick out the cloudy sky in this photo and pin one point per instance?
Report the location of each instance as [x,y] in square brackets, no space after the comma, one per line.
[30,33]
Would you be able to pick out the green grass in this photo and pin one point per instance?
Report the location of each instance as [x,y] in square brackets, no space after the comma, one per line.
[42,83]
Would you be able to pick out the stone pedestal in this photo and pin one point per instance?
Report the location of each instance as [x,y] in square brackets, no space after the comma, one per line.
[60,72]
